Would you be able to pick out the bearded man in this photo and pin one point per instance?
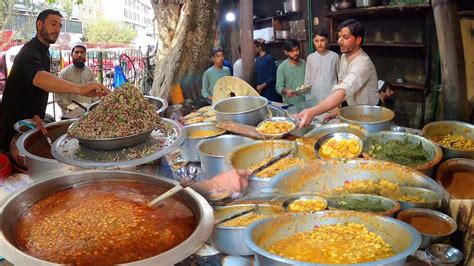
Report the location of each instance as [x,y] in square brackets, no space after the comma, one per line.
[78,73]
[30,81]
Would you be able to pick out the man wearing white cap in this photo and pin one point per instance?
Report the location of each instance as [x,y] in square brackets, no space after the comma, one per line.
[78,73]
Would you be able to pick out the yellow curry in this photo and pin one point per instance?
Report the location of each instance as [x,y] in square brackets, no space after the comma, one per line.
[307,205]
[275,127]
[340,148]
[334,244]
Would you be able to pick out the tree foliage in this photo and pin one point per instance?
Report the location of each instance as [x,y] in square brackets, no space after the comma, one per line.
[105,31]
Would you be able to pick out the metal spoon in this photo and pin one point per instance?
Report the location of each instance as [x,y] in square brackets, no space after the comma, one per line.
[80,105]
[40,125]
[187,175]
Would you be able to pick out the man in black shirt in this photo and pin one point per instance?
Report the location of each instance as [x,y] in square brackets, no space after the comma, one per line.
[29,82]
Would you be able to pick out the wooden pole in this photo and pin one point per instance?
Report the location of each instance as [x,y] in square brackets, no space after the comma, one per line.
[246,41]
[453,71]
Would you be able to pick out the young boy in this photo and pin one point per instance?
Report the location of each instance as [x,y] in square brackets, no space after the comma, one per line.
[290,73]
[214,73]
[321,68]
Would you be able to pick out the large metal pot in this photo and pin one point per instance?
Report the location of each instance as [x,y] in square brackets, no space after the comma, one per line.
[367,3]
[213,151]
[260,235]
[246,155]
[292,6]
[32,143]
[451,166]
[190,146]
[320,176]
[451,127]
[248,110]
[432,150]
[14,207]
[230,240]
[282,34]
[372,118]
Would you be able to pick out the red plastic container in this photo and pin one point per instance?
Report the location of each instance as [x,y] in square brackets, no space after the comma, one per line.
[5,167]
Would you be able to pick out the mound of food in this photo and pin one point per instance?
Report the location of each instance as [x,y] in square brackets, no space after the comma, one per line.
[125,112]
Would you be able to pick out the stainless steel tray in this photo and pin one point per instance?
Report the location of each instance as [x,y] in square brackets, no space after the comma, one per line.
[162,140]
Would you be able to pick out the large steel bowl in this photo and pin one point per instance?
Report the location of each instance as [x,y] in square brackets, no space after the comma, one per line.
[108,144]
[260,235]
[15,205]
[451,166]
[432,150]
[451,127]
[372,118]
[39,165]
[190,146]
[319,132]
[230,240]
[247,155]
[427,239]
[213,151]
[160,104]
[248,110]
[323,176]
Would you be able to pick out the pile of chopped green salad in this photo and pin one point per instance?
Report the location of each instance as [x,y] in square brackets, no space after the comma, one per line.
[364,204]
[402,152]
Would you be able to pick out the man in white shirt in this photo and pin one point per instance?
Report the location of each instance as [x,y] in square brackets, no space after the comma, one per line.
[78,73]
[238,65]
[321,68]
[357,75]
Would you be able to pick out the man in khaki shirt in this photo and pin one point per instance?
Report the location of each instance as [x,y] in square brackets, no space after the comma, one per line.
[357,76]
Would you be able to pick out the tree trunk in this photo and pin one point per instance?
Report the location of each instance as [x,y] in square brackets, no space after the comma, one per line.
[185,39]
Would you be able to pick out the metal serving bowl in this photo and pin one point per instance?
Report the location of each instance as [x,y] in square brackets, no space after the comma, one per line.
[260,235]
[338,136]
[392,205]
[451,166]
[213,151]
[15,205]
[433,199]
[372,118]
[319,132]
[39,166]
[442,254]
[248,110]
[286,204]
[190,146]
[113,143]
[451,127]
[427,239]
[160,104]
[343,4]
[277,119]
[246,155]
[432,150]
[230,240]
[323,176]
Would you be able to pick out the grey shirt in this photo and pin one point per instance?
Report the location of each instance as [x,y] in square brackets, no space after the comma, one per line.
[77,76]
[359,79]
[321,72]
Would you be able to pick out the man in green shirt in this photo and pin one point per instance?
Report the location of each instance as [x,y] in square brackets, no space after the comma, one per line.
[214,73]
[290,73]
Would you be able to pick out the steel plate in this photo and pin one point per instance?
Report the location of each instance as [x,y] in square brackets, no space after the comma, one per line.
[162,140]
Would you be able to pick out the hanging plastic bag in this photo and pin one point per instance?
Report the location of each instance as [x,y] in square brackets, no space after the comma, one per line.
[119,77]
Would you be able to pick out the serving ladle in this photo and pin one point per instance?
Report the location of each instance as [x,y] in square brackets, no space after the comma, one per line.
[43,130]
[186,174]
